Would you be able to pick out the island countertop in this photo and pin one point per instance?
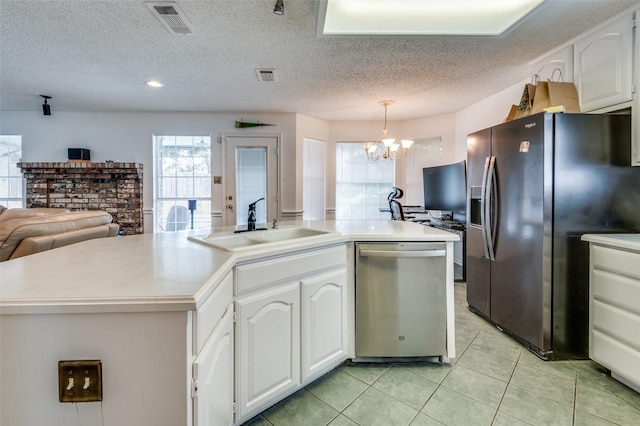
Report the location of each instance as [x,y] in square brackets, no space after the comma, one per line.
[157,272]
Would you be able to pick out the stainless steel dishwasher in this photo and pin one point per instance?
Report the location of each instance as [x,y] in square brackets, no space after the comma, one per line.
[400,299]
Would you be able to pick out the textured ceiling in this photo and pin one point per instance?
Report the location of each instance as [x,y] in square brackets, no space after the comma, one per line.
[96,55]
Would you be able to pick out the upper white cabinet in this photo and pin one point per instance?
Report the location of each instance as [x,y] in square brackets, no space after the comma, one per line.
[603,65]
[561,59]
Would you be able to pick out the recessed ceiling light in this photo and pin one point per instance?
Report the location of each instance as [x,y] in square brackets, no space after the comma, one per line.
[421,17]
[154,83]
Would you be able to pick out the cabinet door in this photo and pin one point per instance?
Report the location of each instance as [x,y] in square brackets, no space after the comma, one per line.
[604,65]
[324,320]
[561,59]
[213,376]
[268,347]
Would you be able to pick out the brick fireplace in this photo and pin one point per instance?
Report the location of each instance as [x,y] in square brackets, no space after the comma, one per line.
[112,187]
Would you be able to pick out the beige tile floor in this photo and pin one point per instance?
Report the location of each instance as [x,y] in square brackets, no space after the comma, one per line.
[493,381]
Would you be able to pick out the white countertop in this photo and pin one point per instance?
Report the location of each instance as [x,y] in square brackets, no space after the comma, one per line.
[625,241]
[154,272]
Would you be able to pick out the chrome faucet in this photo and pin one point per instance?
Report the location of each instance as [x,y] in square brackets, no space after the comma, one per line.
[252,215]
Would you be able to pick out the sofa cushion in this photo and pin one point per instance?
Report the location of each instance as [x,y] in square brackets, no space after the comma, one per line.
[13,231]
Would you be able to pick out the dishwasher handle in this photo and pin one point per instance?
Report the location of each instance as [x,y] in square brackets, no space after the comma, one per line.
[405,253]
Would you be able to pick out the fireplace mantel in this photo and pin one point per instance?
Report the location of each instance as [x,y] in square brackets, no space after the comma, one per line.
[112,187]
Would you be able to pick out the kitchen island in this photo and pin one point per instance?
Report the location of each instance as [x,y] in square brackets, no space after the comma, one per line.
[151,307]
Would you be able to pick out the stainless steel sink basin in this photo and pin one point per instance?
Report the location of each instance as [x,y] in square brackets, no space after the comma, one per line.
[229,241]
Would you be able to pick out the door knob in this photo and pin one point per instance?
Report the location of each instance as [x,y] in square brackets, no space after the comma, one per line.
[230,206]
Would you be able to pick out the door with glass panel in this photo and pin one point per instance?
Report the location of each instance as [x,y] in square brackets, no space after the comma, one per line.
[251,165]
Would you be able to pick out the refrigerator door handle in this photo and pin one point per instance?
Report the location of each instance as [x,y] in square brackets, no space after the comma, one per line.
[489,200]
[483,210]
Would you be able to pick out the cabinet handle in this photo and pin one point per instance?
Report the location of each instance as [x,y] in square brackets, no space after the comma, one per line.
[390,253]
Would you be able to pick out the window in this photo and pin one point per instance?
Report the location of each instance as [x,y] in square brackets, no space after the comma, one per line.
[11,182]
[182,176]
[362,186]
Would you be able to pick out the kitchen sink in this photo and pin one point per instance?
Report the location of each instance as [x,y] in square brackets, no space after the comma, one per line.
[230,241]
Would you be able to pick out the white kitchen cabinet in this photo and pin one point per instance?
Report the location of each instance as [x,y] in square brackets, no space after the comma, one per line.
[561,59]
[614,307]
[267,347]
[603,65]
[212,386]
[288,307]
[324,319]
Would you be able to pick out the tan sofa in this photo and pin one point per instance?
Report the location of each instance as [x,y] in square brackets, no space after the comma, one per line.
[28,231]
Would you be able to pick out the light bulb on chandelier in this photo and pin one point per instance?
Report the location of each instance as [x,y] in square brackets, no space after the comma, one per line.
[386,147]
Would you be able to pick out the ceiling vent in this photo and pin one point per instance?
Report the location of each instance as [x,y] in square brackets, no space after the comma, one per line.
[266,74]
[170,15]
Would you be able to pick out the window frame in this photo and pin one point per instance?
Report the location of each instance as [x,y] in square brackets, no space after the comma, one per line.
[187,183]
[12,187]
[358,208]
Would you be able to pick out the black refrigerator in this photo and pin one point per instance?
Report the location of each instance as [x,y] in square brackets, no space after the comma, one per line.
[535,185]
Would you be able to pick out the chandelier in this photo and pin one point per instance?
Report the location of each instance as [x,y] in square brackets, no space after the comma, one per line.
[386,147]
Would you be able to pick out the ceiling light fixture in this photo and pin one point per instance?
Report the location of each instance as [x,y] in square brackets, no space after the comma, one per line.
[46,108]
[386,147]
[153,83]
[279,9]
[422,17]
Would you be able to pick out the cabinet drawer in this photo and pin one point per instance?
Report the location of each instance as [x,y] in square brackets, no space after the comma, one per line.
[211,311]
[618,261]
[617,323]
[616,289]
[616,356]
[253,275]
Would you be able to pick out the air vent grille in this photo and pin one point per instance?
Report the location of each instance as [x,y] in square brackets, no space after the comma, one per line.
[266,74]
[170,15]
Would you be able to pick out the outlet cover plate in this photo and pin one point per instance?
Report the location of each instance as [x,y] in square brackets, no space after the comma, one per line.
[80,381]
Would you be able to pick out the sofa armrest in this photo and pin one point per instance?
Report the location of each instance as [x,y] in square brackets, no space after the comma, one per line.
[40,243]
[13,231]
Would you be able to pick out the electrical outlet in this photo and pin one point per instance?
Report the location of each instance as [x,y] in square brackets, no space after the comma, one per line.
[80,381]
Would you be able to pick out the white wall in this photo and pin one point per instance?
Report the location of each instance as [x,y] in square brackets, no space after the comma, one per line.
[313,128]
[486,113]
[128,137]
[144,367]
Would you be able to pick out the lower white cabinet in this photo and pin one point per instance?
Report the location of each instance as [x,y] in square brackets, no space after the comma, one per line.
[291,324]
[324,315]
[212,387]
[267,347]
[614,307]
